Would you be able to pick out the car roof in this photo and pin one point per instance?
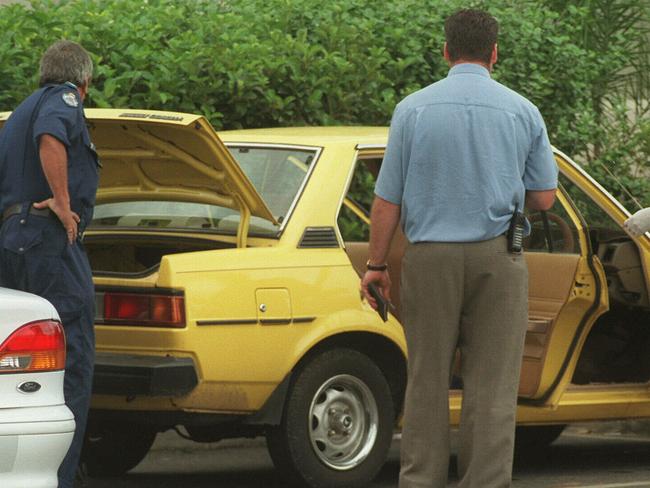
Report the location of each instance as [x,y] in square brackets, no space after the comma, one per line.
[310,136]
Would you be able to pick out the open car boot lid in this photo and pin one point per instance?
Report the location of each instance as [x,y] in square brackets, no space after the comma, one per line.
[170,156]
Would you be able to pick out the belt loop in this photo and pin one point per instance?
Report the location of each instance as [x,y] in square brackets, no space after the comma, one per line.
[24,211]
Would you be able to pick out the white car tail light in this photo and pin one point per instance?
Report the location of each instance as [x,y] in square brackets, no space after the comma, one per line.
[35,347]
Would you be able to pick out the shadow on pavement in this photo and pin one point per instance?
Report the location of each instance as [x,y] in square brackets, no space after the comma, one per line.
[582,460]
[573,459]
[239,479]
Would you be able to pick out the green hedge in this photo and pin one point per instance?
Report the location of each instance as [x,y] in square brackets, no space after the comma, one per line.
[255,63]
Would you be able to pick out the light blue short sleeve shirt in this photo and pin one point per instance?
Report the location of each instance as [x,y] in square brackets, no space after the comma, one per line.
[461,154]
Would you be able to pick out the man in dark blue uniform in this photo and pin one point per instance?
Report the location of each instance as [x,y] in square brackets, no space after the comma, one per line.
[48,181]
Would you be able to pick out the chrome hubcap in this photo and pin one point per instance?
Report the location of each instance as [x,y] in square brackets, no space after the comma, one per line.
[343,422]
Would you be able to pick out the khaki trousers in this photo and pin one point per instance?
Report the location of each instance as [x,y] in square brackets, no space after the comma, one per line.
[473,296]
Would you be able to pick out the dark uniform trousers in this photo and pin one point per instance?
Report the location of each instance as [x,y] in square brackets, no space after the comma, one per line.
[473,296]
[36,257]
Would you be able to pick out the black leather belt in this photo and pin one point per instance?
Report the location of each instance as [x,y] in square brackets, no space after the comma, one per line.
[18,208]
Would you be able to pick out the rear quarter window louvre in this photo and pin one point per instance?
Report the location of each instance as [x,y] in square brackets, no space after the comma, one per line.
[318,237]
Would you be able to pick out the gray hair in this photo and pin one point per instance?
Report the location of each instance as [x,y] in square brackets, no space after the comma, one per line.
[66,61]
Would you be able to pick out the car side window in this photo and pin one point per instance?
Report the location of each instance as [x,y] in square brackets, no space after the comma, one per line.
[602,227]
[552,231]
[354,217]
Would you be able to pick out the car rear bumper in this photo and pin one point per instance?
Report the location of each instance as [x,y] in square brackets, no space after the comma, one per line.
[33,442]
[130,374]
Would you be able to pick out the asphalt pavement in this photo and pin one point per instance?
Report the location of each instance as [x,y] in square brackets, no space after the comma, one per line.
[587,456]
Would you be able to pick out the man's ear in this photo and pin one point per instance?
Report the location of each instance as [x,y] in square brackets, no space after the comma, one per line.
[495,54]
[445,53]
[83,89]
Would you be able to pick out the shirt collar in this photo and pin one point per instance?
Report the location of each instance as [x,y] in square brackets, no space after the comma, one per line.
[470,68]
[69,84]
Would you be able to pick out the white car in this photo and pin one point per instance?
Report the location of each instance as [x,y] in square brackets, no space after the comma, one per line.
[36,427]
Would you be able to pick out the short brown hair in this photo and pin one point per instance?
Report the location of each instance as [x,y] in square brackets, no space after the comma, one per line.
[65,61]
[471,34]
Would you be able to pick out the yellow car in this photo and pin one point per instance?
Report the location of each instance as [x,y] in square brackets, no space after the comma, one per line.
[227,273]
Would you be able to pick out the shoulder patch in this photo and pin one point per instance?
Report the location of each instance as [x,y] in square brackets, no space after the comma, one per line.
[70,99]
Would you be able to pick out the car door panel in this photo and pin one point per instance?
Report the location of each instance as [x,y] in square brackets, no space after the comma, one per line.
[567,292]
[551,278]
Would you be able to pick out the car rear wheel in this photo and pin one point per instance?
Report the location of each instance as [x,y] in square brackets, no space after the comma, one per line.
[112,450]
[337,424]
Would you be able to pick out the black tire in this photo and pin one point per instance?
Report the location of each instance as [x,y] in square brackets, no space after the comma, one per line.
[112,450]
[343,392]
[534,437]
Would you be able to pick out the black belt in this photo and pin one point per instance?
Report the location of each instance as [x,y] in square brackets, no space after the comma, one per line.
[17,208]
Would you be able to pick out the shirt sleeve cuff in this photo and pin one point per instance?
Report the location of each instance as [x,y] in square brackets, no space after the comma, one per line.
[57,131]
[394,199]
[545,186]
[58,137]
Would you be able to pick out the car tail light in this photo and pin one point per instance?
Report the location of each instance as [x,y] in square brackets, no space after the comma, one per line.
[150,310]
[37,346]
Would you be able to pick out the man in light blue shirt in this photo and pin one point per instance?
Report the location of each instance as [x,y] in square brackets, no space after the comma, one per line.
[461,155]
[464,154]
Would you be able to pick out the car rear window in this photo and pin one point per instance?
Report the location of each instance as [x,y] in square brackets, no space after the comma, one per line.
[278,174]
[179,216]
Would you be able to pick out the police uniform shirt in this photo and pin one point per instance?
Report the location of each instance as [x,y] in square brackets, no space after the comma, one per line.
[461,155]
[56,110]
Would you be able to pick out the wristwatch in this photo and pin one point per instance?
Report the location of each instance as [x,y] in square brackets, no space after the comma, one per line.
[376,267]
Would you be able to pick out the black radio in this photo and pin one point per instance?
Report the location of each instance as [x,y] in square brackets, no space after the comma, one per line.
[516,232]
